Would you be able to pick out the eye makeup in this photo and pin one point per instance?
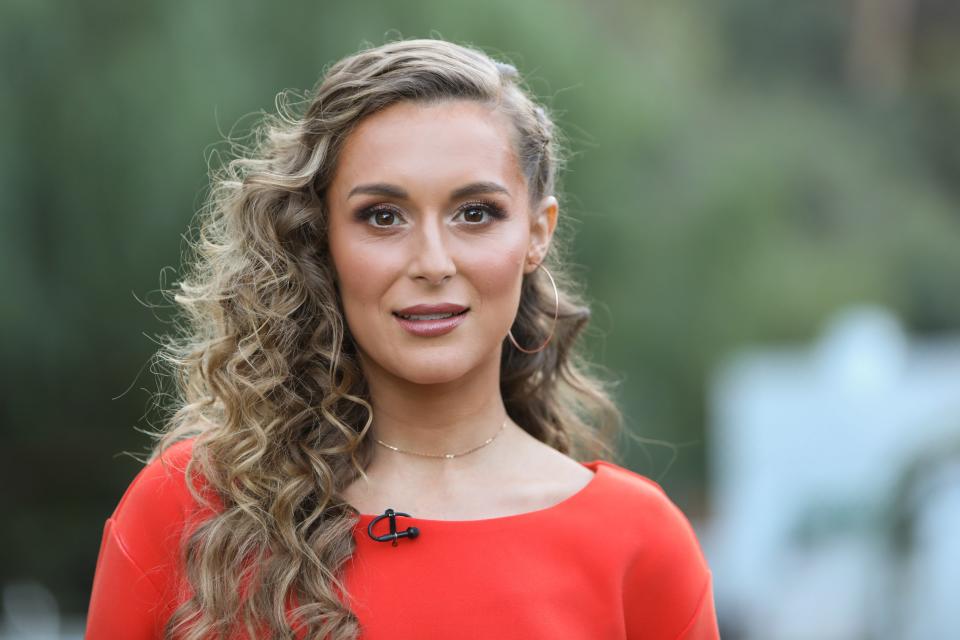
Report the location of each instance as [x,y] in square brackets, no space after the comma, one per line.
[493,210]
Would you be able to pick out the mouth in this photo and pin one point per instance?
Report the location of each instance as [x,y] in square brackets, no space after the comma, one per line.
[429,316]
[431,325]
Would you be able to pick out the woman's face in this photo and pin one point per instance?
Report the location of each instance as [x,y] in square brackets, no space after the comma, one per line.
[428,206]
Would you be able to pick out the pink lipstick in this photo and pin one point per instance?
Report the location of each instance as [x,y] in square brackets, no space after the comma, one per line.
[428,320]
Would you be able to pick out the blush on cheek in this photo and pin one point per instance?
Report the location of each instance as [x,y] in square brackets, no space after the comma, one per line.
[499,278]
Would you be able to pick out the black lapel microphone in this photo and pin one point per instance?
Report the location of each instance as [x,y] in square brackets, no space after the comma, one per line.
[409,532]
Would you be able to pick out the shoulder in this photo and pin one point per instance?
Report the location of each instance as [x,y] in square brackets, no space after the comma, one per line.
[647,514]
[160,485]
[138,566]
[627,479]
[150,516]
[666,569]
[635,495]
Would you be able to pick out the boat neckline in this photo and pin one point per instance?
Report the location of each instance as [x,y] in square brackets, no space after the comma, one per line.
[596,466]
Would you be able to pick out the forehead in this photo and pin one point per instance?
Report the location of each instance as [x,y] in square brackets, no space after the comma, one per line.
[429,146]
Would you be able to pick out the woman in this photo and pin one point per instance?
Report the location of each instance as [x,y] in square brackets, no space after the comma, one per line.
[382,408]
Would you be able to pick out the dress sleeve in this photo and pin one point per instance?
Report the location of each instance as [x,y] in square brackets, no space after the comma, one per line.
[124,602]
[136,581]
[668,586]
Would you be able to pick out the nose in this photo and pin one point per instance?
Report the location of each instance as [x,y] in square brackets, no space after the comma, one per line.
[431,259]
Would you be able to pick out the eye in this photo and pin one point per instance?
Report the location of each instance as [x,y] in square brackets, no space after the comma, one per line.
[473,213]
[380,217]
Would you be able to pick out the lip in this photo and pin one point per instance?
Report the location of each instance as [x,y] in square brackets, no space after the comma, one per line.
[443,307]
[431,328]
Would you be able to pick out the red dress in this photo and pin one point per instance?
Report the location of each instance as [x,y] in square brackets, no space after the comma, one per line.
[616,560]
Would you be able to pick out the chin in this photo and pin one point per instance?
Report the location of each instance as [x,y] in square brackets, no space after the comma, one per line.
[432,373]
[435,364]
[430,366]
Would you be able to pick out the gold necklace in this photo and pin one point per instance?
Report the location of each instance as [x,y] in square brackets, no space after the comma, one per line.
[446,455]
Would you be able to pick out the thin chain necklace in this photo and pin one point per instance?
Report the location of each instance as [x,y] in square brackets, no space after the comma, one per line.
[446,455]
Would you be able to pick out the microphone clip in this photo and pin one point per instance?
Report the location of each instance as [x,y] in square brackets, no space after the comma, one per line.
[409,532]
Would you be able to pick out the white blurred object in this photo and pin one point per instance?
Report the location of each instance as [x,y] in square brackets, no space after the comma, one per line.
[30,612]
[863,351]
[932,584]
[807,447]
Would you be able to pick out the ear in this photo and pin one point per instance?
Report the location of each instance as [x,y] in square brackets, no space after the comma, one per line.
[542,224]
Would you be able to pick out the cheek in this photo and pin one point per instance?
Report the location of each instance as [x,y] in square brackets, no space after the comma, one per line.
[363,274]
[499,278]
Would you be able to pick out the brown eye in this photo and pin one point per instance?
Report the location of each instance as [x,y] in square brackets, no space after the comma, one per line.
[379,217]
[384,218]
[473,214]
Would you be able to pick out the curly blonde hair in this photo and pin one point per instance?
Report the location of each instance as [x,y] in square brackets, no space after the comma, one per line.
[267,376]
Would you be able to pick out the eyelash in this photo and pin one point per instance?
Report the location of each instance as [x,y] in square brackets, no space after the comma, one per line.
[494,211]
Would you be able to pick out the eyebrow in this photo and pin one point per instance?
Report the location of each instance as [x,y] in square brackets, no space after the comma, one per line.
[393,191]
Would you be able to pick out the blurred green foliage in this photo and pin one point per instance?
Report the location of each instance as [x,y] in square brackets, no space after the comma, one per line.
[735,179]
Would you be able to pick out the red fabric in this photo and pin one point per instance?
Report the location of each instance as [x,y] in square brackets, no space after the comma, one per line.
[616,560]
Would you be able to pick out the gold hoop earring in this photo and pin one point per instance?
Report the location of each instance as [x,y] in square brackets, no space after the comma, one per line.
[556,312]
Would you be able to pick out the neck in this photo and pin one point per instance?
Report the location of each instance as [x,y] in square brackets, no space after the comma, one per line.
[448,417]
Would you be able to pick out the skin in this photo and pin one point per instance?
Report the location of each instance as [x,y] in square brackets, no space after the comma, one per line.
[441,394]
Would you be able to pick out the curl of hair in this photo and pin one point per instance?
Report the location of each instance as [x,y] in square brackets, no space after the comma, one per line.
[267,376]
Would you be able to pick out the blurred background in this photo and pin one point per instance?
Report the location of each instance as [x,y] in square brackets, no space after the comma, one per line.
[766,203]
